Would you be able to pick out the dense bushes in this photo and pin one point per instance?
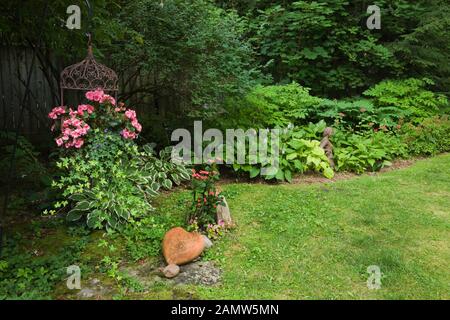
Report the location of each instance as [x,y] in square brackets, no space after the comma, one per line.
[370,133]
[325,45]
[408,98]
[269,106]
[432,136]
[367,150]
[389,104]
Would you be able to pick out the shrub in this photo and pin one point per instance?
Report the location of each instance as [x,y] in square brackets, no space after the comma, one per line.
[359,114]
[112,181]
[431,137]
[106,178]
[410,96]
[370,150]
[271,106]
[206,197]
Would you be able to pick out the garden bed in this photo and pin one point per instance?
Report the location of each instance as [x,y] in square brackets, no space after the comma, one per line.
[292,241]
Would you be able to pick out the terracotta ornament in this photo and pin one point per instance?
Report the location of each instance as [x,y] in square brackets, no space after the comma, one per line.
[180,247]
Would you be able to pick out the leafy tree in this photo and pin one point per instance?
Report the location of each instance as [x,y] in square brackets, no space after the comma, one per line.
[424,51]
[325,45]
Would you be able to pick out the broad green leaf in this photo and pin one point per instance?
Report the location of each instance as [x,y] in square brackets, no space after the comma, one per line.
[254,172]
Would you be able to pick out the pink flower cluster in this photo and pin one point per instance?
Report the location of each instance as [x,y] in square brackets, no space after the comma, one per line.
[73,130]
[56,112]
[74,122]
[137,127]
[100,96]
[85,107]
[202,174]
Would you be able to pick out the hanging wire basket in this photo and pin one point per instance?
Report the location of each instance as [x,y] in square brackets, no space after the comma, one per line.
[88,75]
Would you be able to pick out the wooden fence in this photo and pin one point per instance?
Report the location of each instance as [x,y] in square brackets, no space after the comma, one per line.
[15,66]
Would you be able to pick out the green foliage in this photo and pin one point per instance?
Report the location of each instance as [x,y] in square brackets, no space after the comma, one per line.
[326,46]
[296,155]
[271,106]
[424,50]
[392,103]
[430,137]
[143,238]
[111,182]
[358,114]
[24,276]
[410,96]
[368,150]
[191,52]
[28,167]
[320,44]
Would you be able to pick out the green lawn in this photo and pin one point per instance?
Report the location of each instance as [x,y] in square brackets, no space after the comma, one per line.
[316,241]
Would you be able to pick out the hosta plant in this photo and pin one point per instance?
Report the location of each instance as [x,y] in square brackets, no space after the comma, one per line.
[297,154]
[369,150]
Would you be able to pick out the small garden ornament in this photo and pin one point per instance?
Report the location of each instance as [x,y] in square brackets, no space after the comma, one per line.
[180,247]
[326,145]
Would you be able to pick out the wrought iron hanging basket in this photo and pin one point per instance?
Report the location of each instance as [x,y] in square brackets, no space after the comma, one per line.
[88,75]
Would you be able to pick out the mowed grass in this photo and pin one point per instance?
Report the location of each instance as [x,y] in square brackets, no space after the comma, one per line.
[317,241]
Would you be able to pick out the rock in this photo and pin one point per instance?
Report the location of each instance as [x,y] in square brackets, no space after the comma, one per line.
[208,243]
[86,293]
[199,273]
[180,247]
[171,271]
[223,214]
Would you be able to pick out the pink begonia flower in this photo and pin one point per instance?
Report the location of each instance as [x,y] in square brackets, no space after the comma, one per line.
[73,129]
[108,98]
[136,125]
[79,143]
[96,95]
[57,111]
[128,134]
[59,142]
[73,113]
[85,107]
[130,114]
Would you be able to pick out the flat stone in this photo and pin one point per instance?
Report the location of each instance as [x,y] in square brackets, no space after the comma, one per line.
[180,247]
[199,273]
[86,293]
